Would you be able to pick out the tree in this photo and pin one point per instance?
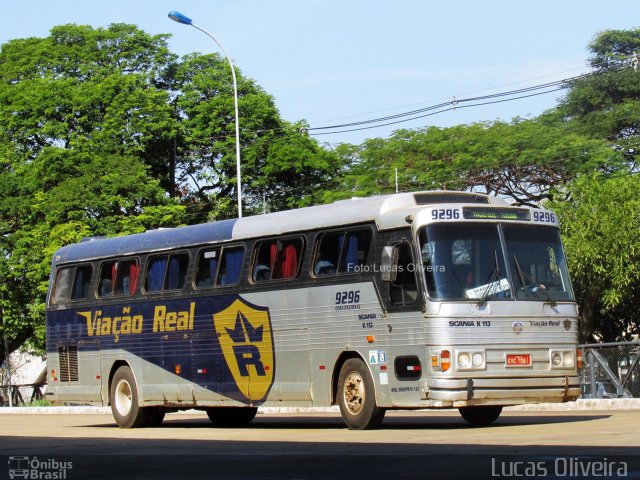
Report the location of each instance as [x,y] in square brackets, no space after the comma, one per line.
[276,155]
[600,224]
[106,132]
[523,160]
[606,104]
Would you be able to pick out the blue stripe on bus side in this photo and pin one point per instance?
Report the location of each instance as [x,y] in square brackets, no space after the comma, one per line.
[219,342]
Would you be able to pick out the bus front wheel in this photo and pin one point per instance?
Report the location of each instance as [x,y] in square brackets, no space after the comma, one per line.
[480,416]
[356,396]
[124,400]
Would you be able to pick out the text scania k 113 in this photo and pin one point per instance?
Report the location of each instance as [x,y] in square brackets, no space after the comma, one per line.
[406,301]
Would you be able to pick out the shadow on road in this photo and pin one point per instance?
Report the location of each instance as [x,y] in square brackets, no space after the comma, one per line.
[395,422]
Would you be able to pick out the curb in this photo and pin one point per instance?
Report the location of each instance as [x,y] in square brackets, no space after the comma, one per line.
[579,405]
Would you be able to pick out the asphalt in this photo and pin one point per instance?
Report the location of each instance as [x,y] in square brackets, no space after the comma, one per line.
[579,405]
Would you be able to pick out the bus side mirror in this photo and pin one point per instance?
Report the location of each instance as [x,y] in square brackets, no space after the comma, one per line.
[388,263]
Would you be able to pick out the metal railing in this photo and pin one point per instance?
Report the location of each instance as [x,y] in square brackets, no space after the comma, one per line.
[610,370]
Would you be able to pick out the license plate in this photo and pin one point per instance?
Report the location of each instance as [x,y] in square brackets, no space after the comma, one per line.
[518,359]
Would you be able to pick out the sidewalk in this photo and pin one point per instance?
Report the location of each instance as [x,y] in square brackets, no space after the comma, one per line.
[582,405]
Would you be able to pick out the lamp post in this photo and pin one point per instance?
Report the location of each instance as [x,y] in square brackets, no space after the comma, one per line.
[183,19]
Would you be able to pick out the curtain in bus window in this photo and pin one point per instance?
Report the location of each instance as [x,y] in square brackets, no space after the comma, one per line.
[155,276]
[233,265]
[81,283]
[289,261]
[134,269]
[351,255]
[274,261]
[173,276]
[114,272]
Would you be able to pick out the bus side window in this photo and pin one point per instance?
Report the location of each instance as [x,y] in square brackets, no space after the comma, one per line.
[207,268]
[403,289]
[166,272]
[328,254]
[155,273]
[62,286]
[342,252]
[176,271]
[105,284]
[277,260]
[126,277]
[286,259]
[118,278]
[355,250]
[230,266]
[262,265]
[81,282]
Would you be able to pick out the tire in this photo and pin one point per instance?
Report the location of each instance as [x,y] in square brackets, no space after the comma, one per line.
[356,396]
[231,416]
[155,416]
[480,416]
[123,396]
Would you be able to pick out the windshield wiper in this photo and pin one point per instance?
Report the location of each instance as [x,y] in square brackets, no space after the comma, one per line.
[528,285]
[490,286]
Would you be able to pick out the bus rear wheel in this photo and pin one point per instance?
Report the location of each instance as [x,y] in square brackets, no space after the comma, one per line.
[480,416]
[124,400]
[356,396]
[231,416]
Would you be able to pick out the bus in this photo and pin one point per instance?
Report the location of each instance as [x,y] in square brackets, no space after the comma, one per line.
[434,299]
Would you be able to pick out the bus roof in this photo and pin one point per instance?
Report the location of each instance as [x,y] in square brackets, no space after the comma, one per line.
[387,211]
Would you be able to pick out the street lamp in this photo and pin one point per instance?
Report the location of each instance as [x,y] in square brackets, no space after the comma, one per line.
[180,18]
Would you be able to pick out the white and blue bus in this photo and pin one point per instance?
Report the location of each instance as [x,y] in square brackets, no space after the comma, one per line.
[406,301]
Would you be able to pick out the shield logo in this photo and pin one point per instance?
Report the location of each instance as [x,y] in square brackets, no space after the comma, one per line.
[246,341]
[567,324]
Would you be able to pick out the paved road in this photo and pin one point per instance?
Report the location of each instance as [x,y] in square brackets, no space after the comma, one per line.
[427,445]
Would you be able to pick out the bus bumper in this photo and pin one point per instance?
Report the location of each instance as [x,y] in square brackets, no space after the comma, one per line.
[459,392]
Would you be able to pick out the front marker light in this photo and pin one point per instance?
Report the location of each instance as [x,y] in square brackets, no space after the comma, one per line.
[445,360]
[579,357]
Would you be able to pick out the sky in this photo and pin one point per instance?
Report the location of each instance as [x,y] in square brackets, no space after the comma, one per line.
[330,62]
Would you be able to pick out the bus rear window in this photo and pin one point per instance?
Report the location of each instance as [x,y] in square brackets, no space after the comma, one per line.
[277,259]
[118,277]
[72,283]
[342,252]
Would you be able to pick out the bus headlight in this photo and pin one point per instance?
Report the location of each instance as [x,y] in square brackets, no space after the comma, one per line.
[478,360]
[467,360]
[464,360]
[567,359]
[562,358]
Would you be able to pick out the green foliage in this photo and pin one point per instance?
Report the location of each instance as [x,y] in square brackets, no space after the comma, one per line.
[601,234]
[275,154]
[607,105]
[106,132]
[522,160]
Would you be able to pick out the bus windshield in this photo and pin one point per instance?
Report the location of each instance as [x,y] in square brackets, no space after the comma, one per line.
[483,262]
